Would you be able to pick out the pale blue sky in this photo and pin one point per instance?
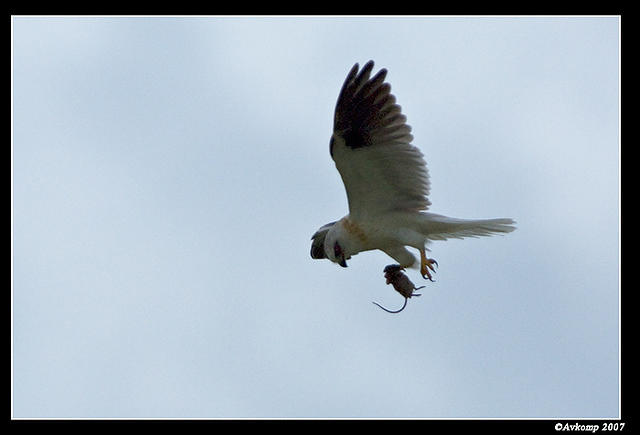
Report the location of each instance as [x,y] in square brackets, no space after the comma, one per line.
[167,175]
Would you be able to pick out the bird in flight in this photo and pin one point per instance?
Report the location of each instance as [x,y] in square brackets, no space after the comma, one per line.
[386,181]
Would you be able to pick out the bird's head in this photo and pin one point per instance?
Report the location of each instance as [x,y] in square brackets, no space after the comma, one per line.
[336,246]
[330,242]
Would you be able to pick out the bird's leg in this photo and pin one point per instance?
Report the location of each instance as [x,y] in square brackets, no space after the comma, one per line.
[426,264]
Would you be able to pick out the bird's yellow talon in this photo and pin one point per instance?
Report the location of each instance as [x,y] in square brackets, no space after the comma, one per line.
[426,264]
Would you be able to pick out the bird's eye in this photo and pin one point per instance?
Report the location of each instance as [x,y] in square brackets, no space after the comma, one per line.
[337,250]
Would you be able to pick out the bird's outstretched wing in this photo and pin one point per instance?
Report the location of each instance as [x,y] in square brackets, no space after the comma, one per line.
[371,147]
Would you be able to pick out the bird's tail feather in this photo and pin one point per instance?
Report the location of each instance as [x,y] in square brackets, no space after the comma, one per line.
[438,227]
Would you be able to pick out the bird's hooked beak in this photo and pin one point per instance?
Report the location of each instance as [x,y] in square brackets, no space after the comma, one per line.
[342,262]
